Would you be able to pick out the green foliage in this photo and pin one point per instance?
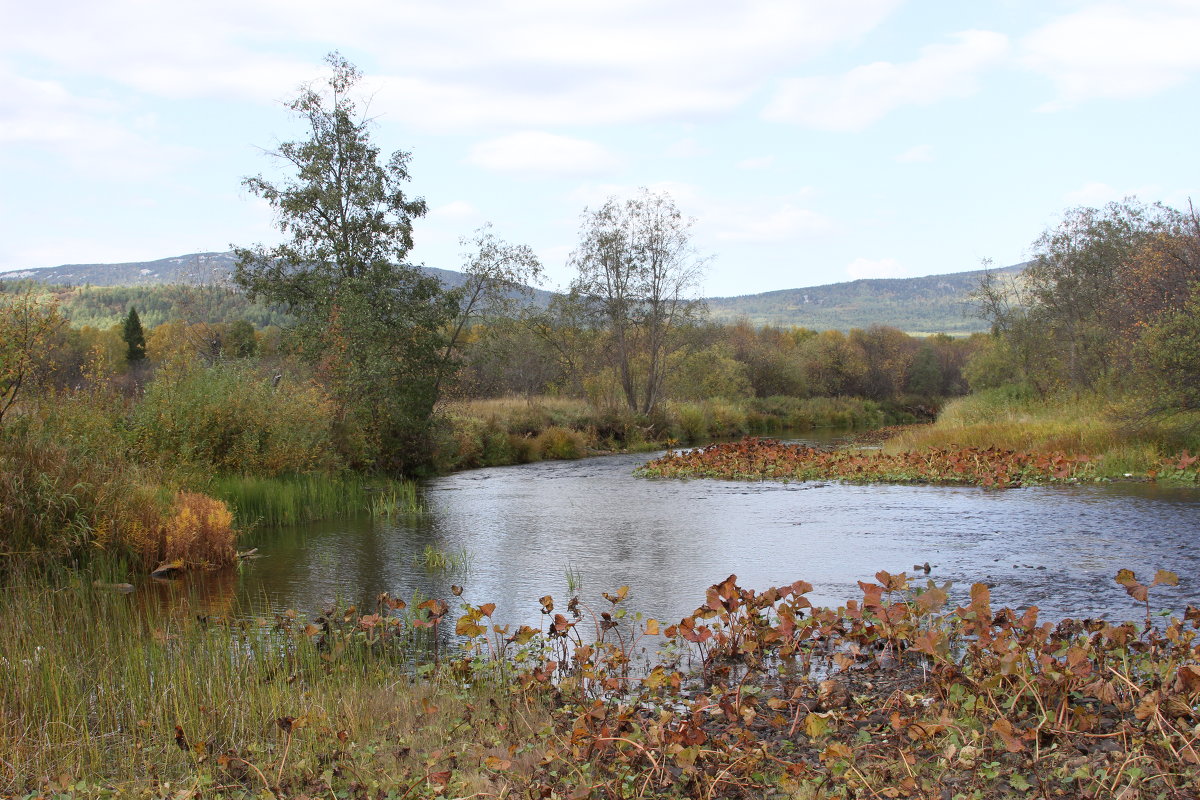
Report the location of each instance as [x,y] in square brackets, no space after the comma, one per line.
[372,322]
[239,340]
[1098,279]
[232,418]
[637,275]
[297,499]
[711,372]
[1171,349]
[134,337]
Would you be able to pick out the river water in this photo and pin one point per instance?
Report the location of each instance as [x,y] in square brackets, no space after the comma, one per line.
[589,525]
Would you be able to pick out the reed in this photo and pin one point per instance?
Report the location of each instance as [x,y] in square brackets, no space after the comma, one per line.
[398,498]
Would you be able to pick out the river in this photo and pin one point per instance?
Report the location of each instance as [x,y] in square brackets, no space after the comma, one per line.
[546,527]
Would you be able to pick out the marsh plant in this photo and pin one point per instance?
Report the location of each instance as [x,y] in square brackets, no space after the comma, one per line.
[755,693]
[434,559]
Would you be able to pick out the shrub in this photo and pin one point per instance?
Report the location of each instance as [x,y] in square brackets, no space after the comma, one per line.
[198,533]
[561,443]
[232,418]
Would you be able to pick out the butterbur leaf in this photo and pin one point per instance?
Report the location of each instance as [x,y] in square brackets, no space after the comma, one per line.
[815,725]
[456,590]
[469,627]
[495,763]
[652,627]
[1164,577]
[836,750]
[1126,578]
[1010,735]
[487,608]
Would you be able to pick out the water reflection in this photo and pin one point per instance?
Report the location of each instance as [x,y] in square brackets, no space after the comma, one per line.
[525,526]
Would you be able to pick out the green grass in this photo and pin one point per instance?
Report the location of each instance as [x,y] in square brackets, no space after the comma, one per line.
[111,690]
[436,560]
[307,498]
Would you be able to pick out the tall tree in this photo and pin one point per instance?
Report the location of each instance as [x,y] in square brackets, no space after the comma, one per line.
[638,274]
[498,275]
[134,336]
[372,322]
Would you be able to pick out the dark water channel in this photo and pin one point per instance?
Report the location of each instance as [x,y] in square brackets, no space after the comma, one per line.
[524,528]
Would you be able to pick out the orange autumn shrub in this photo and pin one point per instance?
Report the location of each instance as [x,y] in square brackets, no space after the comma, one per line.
[198,533]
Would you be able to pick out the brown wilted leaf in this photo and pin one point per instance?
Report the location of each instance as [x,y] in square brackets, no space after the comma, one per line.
[1010,735]
[1164,577]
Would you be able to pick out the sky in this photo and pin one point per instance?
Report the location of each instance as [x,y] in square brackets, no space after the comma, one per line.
[810,141]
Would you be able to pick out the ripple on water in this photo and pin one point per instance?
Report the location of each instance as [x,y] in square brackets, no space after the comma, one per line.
[525,526]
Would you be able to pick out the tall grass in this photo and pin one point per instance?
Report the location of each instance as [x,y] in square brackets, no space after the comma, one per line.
[114,691]
[296,499]
[1121,434]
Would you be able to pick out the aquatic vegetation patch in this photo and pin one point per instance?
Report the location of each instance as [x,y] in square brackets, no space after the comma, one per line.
[899,693]
[770,459]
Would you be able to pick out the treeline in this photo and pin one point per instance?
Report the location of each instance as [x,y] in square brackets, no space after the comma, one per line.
[544,355]
[104,306]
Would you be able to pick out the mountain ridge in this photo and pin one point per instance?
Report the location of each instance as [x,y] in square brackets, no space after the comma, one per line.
[927,304]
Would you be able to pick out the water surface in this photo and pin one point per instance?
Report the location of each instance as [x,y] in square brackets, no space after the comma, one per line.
[525,527]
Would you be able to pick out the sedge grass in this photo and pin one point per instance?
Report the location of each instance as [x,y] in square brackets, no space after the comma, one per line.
[433,559]
[118,694]
[1118,433]
[292,500]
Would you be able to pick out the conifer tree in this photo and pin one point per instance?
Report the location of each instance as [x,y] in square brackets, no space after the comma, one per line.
[135,337]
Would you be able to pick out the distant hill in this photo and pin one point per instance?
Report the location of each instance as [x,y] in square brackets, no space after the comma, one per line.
[195,269]
[933,304]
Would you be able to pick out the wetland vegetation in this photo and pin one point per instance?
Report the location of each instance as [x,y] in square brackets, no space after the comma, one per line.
[124,449]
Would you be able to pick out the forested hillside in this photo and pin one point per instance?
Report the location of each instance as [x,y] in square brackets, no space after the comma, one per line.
[932,304]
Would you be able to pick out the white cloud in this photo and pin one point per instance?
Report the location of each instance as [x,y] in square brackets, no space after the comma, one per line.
[866,94]
[528,62]
[686,148]
[874,268]
[760,162]
[1116,50]
[96,136]
[916,154]
[541,153]
[766,219]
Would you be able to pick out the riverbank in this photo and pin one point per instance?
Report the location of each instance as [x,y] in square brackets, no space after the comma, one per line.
[518,430]
[1123,436]
[174,474]
[994,439]
[756,694]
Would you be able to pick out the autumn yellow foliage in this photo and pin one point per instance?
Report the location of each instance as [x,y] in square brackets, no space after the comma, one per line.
[198,533]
